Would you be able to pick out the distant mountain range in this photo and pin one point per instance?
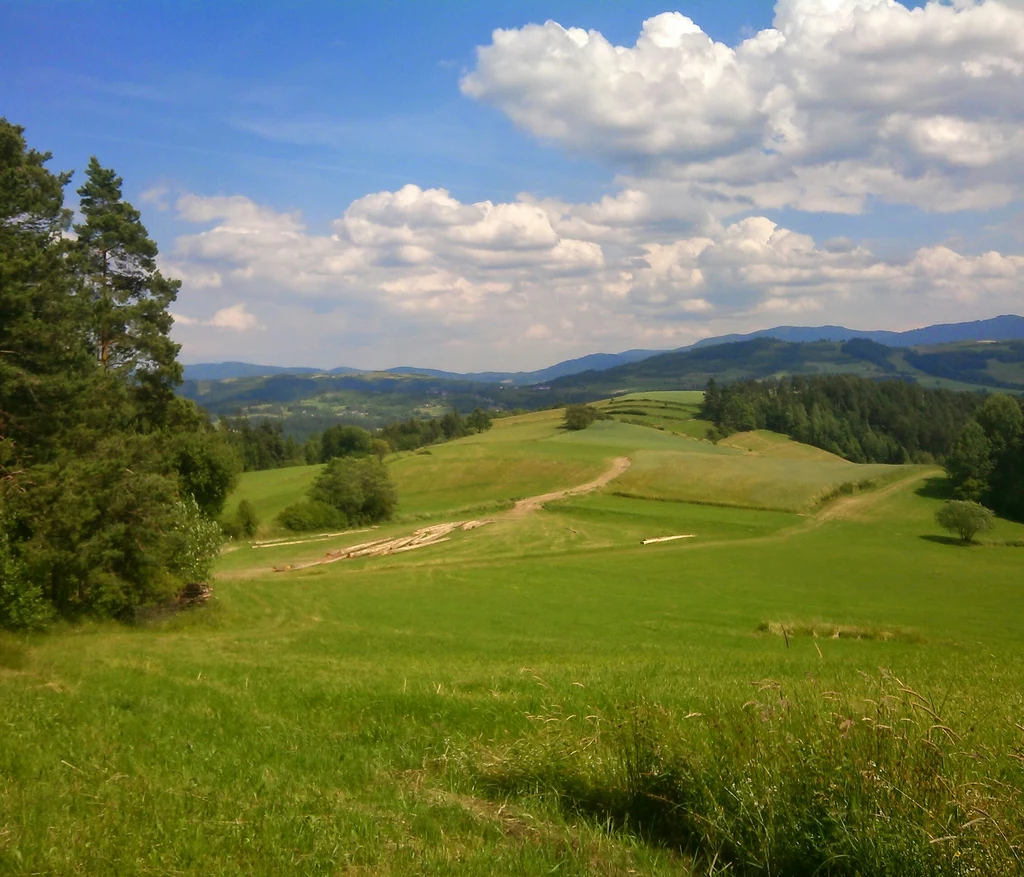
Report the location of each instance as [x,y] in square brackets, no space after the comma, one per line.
[1008,327]
[1005,328]
[960,365]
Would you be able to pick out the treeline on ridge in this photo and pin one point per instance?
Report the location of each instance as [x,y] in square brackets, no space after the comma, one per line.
[263,444]
[986,463]
[978,438]
[865,421]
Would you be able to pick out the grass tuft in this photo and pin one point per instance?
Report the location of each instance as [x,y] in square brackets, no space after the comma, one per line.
[879,782]
[831,630]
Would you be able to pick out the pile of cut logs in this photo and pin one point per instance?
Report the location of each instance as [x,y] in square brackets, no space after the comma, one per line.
[419,539]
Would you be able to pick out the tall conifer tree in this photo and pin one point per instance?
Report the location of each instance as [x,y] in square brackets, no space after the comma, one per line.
[108,480]
[128,297]
[44,362]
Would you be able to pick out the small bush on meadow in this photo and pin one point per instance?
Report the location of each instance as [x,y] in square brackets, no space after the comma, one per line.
[303,517]
[965,518]
[349,492]
[200,540]
[248,520]
[579,416]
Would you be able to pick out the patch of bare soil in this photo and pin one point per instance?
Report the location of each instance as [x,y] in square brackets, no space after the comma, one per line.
[533,503]
[853,506]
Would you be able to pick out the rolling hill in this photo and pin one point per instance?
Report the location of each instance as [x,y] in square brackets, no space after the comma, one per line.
[965,366]
[307,403]
[1005,328]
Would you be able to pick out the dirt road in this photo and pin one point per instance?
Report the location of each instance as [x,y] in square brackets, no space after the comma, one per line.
[533,503]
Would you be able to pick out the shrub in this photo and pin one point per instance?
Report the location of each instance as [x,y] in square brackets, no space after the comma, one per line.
[22,605]
[579,416]
[965,518]
[248,521]
[360,489]
[345,441]
[303,517]
[479,420]
[200,542]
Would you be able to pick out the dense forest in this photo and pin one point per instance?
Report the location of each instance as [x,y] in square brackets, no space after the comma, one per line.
[263,444]
[862,420]
[979,438]
[986,463]
[110,483]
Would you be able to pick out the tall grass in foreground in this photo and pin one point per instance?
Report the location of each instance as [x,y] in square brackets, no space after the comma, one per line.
[875,784]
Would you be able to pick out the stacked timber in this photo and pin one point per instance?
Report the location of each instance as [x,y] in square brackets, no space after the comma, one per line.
[421,538]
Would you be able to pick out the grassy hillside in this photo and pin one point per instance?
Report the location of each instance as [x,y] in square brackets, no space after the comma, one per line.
[309,403]
[545,694]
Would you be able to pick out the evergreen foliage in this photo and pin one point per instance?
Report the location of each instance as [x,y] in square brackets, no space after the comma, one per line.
[108,481]
[864,421]
[986,463]
[416,432]
[262,445]
[128,298]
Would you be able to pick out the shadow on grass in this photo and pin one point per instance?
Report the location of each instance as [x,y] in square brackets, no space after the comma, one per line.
[935,488]
[986,543]
[947,540]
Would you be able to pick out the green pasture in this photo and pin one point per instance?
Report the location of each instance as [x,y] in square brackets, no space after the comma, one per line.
[745,480]
[459,709]
[675,411]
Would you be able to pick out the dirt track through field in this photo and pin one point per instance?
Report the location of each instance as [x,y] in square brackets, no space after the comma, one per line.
[427,536]
[533,503]
[843,508]
[853,506]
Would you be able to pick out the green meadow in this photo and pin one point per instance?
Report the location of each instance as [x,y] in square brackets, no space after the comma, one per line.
[817,680]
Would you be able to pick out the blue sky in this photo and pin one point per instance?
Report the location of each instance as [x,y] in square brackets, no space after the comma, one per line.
[822,171]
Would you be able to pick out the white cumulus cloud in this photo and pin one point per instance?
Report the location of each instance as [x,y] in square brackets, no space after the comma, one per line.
[838,102]
[235,318]
[415,275]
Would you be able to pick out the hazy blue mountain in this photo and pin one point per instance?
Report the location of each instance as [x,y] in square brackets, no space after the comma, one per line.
[1005,328]
[218,371]
[956,365]
[1008,327]
[590,362]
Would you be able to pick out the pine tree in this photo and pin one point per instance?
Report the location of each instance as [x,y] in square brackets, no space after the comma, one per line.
[108,481]
[128,297]
[44,362]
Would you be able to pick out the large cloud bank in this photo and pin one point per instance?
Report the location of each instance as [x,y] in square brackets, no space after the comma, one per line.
[840,101]
[529,282]
[842,105]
